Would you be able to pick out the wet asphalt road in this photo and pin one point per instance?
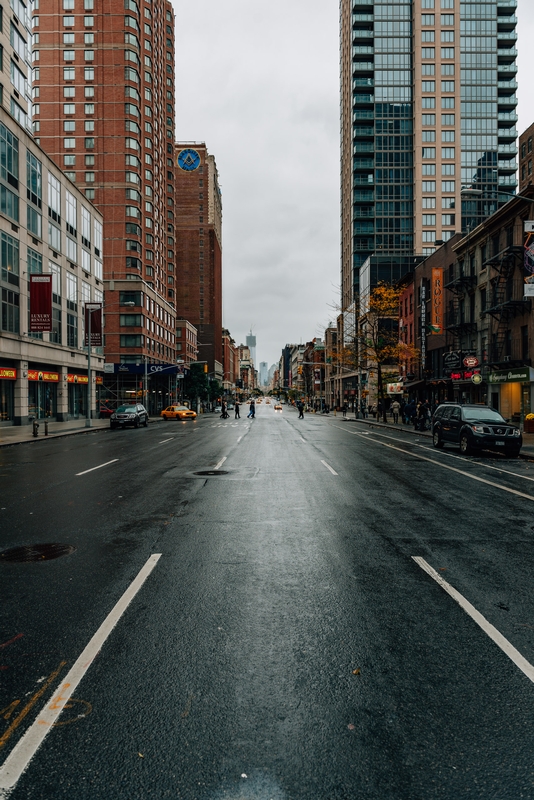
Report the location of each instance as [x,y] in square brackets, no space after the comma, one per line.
[286,646]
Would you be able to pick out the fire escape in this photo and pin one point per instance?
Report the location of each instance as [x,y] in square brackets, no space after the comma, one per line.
[460,317]
[505,302]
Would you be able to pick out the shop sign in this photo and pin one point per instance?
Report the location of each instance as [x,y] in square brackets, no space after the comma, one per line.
[8,374]
[476,378]
[452,361]
[40,303]
[83,379]
[514,375]
[394,388]
[40,375]
[471,361]
[436,320]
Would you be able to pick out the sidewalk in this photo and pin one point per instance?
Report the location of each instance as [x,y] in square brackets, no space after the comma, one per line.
[527,450]
[17,434]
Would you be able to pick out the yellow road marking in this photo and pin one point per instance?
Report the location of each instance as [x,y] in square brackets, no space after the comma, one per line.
[29,705]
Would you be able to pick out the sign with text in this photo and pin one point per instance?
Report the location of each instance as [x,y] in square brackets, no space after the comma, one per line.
[40,303]
[436,313]
[40,375]
[8,373]
[94,310]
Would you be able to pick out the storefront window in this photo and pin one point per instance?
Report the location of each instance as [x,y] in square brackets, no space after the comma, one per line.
[77,400]
[7,404]
[42,399]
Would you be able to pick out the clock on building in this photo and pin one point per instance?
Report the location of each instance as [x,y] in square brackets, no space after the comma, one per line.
[188,160]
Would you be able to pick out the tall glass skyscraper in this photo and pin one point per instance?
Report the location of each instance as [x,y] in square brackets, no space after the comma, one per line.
[427,109]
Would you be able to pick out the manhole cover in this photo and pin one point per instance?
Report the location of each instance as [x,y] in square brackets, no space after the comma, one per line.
[36,552]
[211,472]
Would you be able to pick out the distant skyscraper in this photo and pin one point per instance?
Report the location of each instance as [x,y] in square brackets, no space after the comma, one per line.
[427,107]
[264,369]
[251,344]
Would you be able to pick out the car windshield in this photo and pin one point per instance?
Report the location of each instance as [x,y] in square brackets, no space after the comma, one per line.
[182,408]
[482,415]
[126,410]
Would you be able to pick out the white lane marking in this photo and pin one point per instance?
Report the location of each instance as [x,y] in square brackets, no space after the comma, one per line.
[168,440]
[329,467]
[507,648]
[23,752]
[99,467]
[220,463]
[480,464]
[446,466]
[239,439]
[302,440]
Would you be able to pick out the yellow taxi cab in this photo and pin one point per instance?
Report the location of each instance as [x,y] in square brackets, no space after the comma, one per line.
[178,412]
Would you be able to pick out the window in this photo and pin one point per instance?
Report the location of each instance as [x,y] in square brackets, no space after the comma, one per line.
[89,55]
[447,52]
[448,152]
[428,102]
[447,70]
[428,36]
[130,108]
[429,202]
[68,22]
[89,73]
[9,203]
[428,70]
[429,219]
[10,311]
[428,19]
[68,55]
[54,237]
[130,320]
[69,125]
[69,144]
[89,177]
[88,22]
[88,38]
[34,190]
[98,271]
[68,38]
[447,4]
[447,37]
[429,236]
[9,157]
[68,74]
[88,5]
[89,142]
[72,330]
[447,119]
[428,52]
[54,198]
[131,340]
[131,74]
[447,102]
[71,253]
[132,161]
[86,261]
[98,237]
[131,22]
[447,20]
[35,262]
[18,79]
[34,222]
[429,119]
[10,259]
[133,177]
[86,227]
[428,86]
[447,86]
[448,219]
[448,169]
[427,4]
[429,169]
[89,92]
[529,144]
[429,136]
[68,5]
[69,108]
[72,291]
[448,186]
[429,186]
[429,152]
[89,125]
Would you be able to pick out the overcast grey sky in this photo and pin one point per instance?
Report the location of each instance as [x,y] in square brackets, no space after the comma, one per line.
[259,83]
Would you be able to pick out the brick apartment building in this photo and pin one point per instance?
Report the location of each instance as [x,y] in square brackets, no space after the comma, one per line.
[199,249]
[104,110]
[526,156]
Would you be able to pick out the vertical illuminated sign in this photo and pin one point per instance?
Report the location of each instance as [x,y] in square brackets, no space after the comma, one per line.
[40,303]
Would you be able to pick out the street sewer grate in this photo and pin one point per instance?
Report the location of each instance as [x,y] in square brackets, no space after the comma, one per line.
[211,472]
[36,552]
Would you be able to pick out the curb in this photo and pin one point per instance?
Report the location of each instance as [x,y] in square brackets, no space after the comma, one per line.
[60,435]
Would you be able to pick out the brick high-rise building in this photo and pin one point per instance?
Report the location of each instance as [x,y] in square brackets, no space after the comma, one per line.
[526,154]
[199,249]
[104,110]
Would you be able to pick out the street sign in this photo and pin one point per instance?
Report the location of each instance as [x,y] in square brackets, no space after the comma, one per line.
[470,361]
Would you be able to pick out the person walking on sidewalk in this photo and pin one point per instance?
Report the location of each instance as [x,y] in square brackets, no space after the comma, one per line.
[395,408]
[345,409]
[236,409]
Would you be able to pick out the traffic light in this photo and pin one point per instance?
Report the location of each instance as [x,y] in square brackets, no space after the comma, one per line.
[299,370]
[205,367]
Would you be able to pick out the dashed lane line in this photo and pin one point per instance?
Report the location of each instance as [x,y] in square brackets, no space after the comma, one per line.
[220,463]
[99,467]
[167,440]
[329,467]
[506,646]
[20,757]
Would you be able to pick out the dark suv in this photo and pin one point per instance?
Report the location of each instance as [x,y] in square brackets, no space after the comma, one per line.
[475,427]
[129,415]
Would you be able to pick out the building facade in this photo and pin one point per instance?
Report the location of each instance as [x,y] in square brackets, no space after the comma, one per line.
[427,107]
[103,86]
[45,375]
[525,158]
[199,248]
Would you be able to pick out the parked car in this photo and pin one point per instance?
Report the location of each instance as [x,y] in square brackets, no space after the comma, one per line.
[135,415]
[178,412]
[475,427]
[105,410]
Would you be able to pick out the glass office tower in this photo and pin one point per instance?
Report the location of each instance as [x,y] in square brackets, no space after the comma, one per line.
[427,110]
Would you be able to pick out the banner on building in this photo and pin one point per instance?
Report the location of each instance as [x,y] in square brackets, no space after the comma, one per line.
[40,303]
[436,314]
[94,310]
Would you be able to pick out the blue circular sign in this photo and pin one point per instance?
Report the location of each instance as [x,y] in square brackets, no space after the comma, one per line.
[188,160]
